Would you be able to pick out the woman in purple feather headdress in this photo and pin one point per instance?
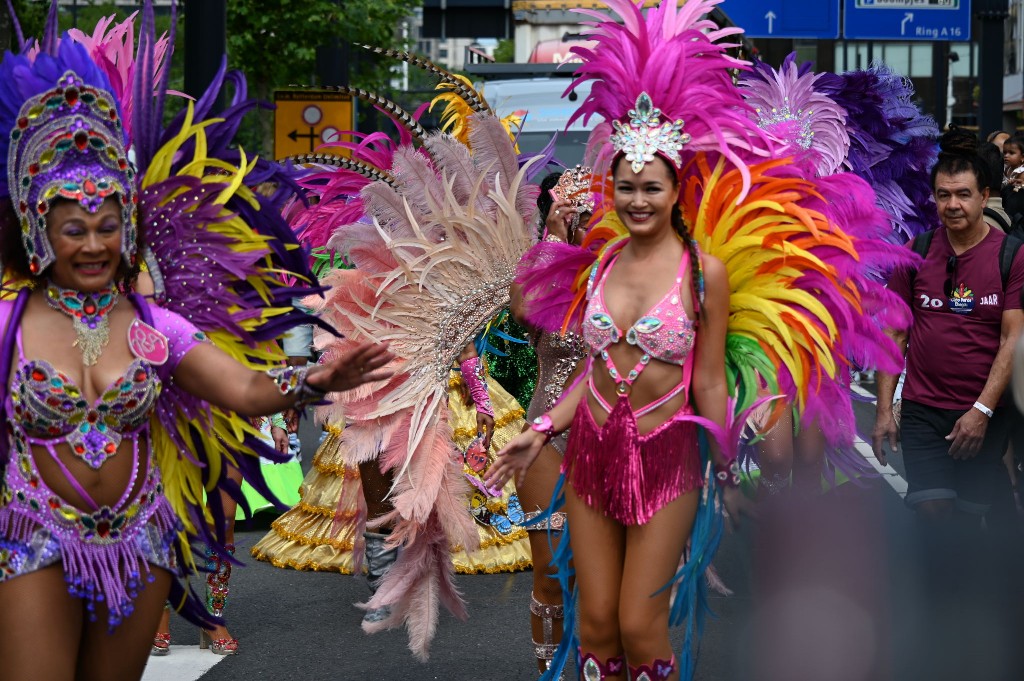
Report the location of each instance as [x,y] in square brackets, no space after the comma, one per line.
[114,410]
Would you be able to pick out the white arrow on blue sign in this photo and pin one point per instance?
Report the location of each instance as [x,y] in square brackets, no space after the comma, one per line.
[812,19]
[907,20]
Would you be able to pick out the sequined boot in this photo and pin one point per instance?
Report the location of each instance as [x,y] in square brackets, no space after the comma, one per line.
[379,559]
[659,670]
[593,669]
[545,650]
[216,598]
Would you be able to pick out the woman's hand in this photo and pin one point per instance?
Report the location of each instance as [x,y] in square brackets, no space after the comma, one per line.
[514,459]
[361,365]
[558,219]
[280,437]
[485,427]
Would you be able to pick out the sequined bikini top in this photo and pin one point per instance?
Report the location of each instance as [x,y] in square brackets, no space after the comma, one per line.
[665,333]
[49,406]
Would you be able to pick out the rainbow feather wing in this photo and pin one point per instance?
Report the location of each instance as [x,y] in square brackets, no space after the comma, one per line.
[806,262]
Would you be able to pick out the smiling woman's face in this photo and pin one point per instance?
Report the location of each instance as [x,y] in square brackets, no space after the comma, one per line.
[644,200]
[87,245]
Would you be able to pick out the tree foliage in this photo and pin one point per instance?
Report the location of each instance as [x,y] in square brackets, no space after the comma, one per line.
[273,44]
[278,48]
[505,51]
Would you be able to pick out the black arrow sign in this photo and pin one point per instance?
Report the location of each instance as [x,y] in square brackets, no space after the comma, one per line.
[294,136]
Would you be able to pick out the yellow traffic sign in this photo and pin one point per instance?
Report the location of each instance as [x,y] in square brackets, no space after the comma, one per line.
[306,119]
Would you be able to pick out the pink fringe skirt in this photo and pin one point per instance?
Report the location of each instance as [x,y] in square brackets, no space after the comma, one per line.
[627,476]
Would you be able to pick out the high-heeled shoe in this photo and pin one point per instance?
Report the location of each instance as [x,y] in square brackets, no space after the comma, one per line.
[548,614]
[162,639]
[217,646]
[161,644]
[216,598]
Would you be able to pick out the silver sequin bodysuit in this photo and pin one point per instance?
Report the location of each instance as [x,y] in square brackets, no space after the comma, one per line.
[557,356]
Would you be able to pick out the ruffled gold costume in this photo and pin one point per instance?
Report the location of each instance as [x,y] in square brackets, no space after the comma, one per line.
[318,532]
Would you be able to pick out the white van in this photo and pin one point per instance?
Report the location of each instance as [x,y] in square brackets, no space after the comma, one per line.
[547,112]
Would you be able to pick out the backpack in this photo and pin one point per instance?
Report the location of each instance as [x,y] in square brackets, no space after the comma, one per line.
[1007,251]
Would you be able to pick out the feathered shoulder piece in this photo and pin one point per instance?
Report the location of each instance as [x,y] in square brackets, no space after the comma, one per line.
[556,278]
[663,84]
[893,145]
[805,122]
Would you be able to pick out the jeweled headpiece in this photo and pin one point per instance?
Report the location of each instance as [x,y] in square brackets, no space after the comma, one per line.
[645,135]
[68,143]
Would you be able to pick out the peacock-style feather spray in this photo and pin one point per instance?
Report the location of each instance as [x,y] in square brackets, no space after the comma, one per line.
[432,269]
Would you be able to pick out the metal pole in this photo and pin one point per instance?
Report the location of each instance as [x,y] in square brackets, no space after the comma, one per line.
[991,14]
[950,99]
[205,44]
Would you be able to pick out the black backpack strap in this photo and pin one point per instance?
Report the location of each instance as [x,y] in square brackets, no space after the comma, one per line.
[1007,254]
[1000,220]
[922,242]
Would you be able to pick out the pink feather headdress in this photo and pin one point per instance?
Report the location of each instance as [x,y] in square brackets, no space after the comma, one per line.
[806,122]
[663,85]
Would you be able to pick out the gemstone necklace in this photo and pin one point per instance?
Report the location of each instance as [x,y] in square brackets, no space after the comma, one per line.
[89,314]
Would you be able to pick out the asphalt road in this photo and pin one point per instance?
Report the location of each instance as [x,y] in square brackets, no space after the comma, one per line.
[824,591]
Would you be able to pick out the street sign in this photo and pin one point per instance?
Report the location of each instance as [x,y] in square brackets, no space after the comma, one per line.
[908,20]
[306,119]
[785,18]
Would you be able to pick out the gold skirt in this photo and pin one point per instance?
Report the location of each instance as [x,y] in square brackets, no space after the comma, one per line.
[317,533]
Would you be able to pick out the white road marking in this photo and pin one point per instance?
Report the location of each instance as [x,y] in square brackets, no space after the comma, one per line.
[887,472]
[183,663]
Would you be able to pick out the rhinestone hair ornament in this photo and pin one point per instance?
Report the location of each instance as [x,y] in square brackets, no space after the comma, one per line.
[574,186]
[68,143]
[645,135]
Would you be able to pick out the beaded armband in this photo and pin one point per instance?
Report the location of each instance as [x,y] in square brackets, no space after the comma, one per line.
[277,421]
[291,381]
[728,474]
[472,374]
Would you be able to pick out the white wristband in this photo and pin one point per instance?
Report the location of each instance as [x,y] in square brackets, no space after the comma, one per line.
[984,410]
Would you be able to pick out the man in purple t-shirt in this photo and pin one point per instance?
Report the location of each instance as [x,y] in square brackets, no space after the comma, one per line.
[955,418]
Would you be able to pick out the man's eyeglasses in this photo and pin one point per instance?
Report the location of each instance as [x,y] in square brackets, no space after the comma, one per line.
[950,275]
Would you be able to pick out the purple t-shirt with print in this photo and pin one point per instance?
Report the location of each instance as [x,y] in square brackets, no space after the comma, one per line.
[954,338]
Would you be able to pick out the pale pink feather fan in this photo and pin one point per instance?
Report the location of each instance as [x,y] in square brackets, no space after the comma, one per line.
[676,56]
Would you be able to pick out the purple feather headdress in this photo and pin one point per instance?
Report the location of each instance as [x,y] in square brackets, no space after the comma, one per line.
[664,82]
[892,144]
[806,122]
[62,134]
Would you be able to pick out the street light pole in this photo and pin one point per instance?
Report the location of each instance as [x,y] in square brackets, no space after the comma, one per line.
[951,58]
[991,14]
[205,44]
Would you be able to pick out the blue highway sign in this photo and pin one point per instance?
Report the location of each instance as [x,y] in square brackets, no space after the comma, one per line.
[907,20]
[785,18]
